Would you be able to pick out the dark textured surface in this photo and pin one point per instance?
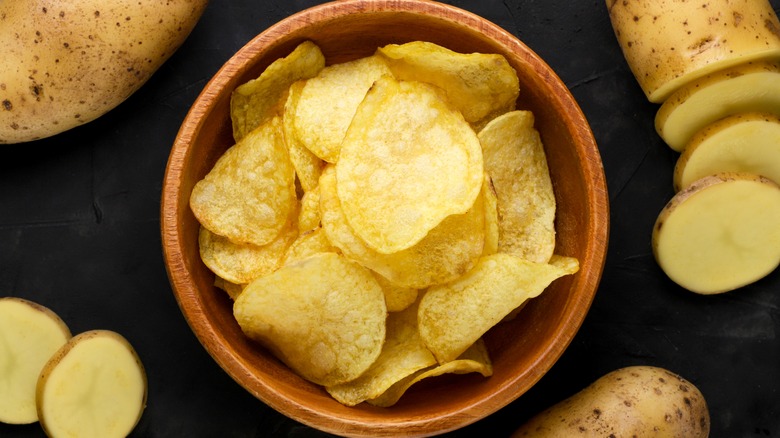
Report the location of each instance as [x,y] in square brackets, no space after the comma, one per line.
[79,233]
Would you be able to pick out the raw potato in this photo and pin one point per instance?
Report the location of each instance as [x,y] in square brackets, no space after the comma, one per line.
[746,88]
[745,142]
[669,43]
[95,385]
[29,335]
[67,63]
[720,233]
[636,401]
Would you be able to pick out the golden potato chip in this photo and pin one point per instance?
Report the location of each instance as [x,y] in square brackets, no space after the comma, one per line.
[308,243]
[479,85]
[260,99]
[323,316]
[474,360]
[402,354]
[453,316]
[491,218]
[243,262]
[515,160]
[397,298]
[232,289]
[309,213]
[327,103]
[408,161]
[249,194]
[308,166]
[448,251]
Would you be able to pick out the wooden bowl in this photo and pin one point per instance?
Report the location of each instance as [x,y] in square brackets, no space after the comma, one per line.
[522,350]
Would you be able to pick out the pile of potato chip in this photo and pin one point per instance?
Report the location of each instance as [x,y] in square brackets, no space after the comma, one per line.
[375,218]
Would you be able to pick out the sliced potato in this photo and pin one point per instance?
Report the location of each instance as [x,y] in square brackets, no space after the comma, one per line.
[745,142]
[324,316]
[408,161]
[751,87]
[480,85]
[260,99]
[29,335]
[516,163]
[95,385]
[454,315]
[669,43]
[720,233]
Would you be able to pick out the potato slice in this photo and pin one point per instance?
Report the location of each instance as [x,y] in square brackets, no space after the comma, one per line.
[447,252]
[29,335]
[745,142]
[720,233]
[668,43]
[453,316]
[327,102]
[323,316]
[745,88]
[256,101]
[517,165]
[95,385]
[407,162]
[249,194]
[480,85]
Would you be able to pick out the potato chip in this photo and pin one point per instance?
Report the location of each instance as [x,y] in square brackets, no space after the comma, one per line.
[479,85]
[232,289]
[408,161]
[250,192]
[397,298]
[514,158]
[474,360]
[323,316]
[307,244]
[309,212]
[402,354]
[327,103]
[243,262]
[308,166]
[491,218]
[260,99]
[447,252]
[455,315]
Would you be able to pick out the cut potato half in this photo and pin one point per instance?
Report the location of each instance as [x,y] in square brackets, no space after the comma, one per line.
[739,143]
[720,233]
[95,385]
[29,335]
[752,87]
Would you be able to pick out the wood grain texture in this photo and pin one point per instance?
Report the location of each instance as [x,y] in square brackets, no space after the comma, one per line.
[523,350]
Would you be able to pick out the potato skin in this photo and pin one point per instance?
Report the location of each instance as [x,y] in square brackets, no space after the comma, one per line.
[67,63]
[637,401]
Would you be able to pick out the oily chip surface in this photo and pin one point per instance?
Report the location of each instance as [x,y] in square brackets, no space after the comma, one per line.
[408,161]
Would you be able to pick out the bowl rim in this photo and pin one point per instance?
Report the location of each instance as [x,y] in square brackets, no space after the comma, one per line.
[179,271]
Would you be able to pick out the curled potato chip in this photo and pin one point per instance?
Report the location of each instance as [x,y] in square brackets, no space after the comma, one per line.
[479,85]
[453,316]
[402,354]
[474,360]
[258,100]
[249,194]
[447,252]
[308,166]
[323,316]
[327,102]
[408,161]
[232,289]
[515,160]
[243,262]
[308,243]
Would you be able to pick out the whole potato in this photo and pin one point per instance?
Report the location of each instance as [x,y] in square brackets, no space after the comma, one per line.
[637,401]
[66,63]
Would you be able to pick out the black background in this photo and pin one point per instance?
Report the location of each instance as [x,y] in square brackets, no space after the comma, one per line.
[79,233]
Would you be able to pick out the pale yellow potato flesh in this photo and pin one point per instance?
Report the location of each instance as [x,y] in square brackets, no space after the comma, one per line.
[669,43]
[95,385]
[67,63]
[748,142]
[720,233]
[29,335]
[635,401]
[752,87]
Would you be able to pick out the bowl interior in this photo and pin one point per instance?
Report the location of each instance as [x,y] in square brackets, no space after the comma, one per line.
[522,350]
